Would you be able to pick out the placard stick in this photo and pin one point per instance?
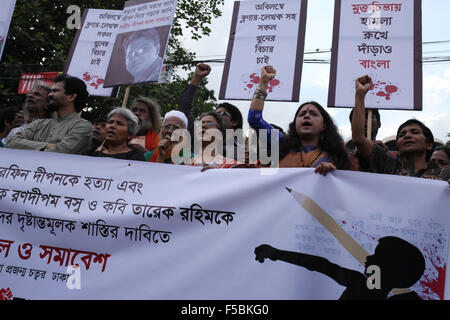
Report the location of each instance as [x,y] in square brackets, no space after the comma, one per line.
[125,98]
[369,124]
[350,244]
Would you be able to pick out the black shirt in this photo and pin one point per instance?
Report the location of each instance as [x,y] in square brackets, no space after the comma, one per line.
[130,155]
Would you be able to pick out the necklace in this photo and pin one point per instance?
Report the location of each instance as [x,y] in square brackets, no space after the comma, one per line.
[312,162]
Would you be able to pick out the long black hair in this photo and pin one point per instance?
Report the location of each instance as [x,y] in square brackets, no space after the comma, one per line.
[330,140]
[221,127]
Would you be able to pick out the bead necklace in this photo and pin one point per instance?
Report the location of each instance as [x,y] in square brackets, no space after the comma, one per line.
[312,162]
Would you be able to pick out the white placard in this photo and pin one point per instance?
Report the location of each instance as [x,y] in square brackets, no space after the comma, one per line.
[5,20]
[141,42]
[381,39]
[92,48]
[265,33]
[77,227]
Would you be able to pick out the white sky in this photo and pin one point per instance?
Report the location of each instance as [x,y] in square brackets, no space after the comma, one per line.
[315,77]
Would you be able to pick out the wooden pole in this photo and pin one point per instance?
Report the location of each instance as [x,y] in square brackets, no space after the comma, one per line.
[369,125]
[125,98]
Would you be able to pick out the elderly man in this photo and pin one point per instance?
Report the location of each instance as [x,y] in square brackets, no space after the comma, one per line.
[148,113]
[173,120]
[142,58]
[67,133]
[35,108]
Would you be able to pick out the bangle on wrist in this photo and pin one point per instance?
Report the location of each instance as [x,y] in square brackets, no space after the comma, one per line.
[260,94]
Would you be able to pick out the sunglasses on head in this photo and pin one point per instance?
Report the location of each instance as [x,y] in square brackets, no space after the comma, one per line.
[224,113]
[209,124]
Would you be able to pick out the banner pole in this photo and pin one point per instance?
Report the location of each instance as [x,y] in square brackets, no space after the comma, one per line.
[125,98]
[369,125]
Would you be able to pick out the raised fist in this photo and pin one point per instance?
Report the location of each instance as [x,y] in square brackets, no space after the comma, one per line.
[265,251]
[363,85]
[267,73]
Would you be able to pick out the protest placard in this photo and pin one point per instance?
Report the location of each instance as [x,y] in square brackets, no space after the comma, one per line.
[141,42]
[5,20]
[91,49]
[381,39]
[265,33]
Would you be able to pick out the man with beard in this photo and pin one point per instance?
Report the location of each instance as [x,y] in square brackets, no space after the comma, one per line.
[173,120]
[67,133]
[147,138]
[35,107]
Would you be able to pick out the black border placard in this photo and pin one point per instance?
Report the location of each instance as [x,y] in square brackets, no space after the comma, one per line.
[298,62]
[118,52]
[115,90]
[417,58]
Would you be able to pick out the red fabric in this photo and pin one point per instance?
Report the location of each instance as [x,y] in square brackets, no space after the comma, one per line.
[151,143]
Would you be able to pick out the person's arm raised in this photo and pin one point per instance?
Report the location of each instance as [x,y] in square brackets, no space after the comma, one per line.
[364,145]
[267,73]
[187,97]
[201,71]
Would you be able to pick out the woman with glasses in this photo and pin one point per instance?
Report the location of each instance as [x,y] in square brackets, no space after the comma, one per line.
[231,115]
[210,140]
[312,141]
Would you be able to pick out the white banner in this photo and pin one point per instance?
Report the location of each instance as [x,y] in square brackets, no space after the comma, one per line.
[92,48]
[5,20]
[76,227]
[382,39]
[141,42]
[265,33]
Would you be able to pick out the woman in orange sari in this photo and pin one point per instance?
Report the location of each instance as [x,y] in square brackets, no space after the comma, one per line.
[312,141]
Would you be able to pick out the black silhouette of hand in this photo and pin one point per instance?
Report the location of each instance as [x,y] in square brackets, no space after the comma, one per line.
[265,251]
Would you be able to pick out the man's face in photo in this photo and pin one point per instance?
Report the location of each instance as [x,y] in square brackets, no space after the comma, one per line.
[140,55]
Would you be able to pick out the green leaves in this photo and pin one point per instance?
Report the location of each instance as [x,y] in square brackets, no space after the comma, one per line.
[39,41]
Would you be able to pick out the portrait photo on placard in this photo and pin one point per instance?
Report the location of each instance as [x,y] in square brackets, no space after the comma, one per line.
[137,57]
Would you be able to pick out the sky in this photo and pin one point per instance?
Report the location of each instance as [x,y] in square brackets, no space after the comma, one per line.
[315,77]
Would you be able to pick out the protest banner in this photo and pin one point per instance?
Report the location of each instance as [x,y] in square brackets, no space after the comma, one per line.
[265,33]
[141,42]
[28,80]
[382,39]
[91,50]
[77,227]
[5,20]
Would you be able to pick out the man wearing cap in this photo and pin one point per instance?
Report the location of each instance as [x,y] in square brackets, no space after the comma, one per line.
[172,121]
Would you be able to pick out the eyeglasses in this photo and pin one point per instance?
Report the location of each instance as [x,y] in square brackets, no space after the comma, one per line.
[224,113]
[209,124]
[139,51]
[171,126]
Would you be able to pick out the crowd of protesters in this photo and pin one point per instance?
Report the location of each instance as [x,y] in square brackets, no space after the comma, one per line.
[51,121]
